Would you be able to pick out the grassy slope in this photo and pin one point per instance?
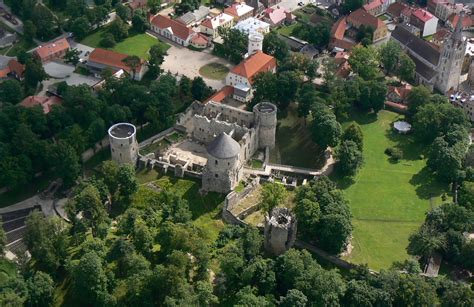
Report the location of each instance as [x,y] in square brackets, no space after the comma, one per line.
[294,145]
[388,200]
[205,209]
[214,71]
[135,44]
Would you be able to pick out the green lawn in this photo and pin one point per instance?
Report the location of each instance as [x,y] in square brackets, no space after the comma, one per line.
[214,71]
[294,145]
[287,30]
[135,44]
[388,200]
[205,209]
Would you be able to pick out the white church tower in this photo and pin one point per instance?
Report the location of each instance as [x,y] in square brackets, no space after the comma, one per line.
[452,56]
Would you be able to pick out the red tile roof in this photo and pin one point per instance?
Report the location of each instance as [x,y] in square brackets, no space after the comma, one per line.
[422,15]
[401,91]
[225,92]
[372,5]
[361,17]
[135,4]
[46,103]
[111,59]
[467,21]
[13,66]
[199,39]
[395,105]
[238,9]
[52,49]
[277,15]
[395,9]
[177,28]
[339,28]
[256,63]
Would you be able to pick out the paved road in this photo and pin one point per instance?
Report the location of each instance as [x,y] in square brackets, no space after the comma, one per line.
[18,28]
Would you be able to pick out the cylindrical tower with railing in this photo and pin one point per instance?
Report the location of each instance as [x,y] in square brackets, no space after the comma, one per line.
[266,119]
[255,43]
[123,143]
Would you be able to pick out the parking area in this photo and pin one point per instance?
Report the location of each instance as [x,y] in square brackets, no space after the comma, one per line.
[83,49]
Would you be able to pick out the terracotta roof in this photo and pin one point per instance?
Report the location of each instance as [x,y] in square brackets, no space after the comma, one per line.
[372,5]
[467,21]
[16,67]
[52,48]
[178,29]
[340,43]
[395,105]
[361,17]
[395,9]
[422,15]
[46,103]
[135,4]
[277,15]
[407,11]
[238,9]
[401,91]
[441,34]
[256,63]
[225,92]
[217,21]
[339,28]
[111,59]
[199,39]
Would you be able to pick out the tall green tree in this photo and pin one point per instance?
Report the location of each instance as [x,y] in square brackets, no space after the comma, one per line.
[273,194]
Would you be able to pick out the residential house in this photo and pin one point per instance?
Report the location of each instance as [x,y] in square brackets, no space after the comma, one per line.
[278,16]
[360,17]
[425,21]
[172,30]
[51,51]
[240,11]
[406,14]
[443,8]
[395,10]
[467,21]
[137,4]
[241,76]
[251,25]
[337,40]
[99,59]
[440,36]
[211,25]
[11,68]
[341,59]
[46,103]
[374,7]
[398,94]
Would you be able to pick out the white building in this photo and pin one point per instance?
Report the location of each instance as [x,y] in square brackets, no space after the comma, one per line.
[252,25]
[210,26]
[425,21]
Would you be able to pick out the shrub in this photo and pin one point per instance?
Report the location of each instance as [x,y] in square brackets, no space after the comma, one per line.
[108,41]
[394,153]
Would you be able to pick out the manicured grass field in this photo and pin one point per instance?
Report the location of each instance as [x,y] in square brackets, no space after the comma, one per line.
[135,44]
[205,209]
[214,71]
[388,200]
[287,30]
[294,145]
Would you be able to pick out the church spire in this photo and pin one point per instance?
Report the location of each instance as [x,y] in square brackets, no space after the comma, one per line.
[458,30]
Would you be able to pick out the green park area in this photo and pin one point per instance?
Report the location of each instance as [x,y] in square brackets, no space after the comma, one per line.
[136,44]
[214,71]
[388,199]
[205,209]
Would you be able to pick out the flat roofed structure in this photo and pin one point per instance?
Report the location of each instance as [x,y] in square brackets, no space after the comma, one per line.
[122,130]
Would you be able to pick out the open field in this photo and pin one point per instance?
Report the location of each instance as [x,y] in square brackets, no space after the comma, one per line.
[215,71]
[205,209]
[294,145]
[388,200]
[135,44]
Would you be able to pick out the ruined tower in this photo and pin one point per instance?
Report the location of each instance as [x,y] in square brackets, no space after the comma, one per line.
[280,231]
[123,143]
[266,118]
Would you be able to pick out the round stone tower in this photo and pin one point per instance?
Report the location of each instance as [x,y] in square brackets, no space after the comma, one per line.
[266,118]
[223,170]
[255,43]
[280,231]
[123,143]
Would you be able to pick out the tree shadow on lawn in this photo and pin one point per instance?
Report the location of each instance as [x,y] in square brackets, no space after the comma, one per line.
[201,205]
[361,117]
[342,182]
[412,150]
[427,185]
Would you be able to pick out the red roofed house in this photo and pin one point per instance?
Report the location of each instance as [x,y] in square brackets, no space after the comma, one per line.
[342,61]
[137,4]
[374,7]
[425,21]
[241,76]
[99,59]
[44,102]
[172,30]
[361,17]
[337,35]
[467,22]
[395,9]
[11,68]
[278,16]
[398,94]
[211,25]
[52,50]
[240,11]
